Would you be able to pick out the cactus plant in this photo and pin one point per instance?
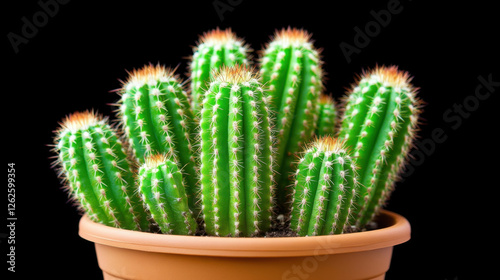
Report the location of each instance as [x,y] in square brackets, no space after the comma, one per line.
[236,155]
[163,192]
[291,68]
[324,189]
[379,123]
[157,118]
[327,116]
[214,49]
[97,171]
[243,157]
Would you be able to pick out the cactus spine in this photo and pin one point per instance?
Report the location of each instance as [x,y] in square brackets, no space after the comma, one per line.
[380,120]
[324,189]
[163,192]
[215,49]
[236,155]
[327,116]
[97,171]
[157,118]
[291,68]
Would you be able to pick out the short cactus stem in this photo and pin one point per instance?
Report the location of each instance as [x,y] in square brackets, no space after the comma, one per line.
[379,123]
[157,118]
[324,189]
[98,173]
[215,49]
[327,116]
[163,193]
[236,155]
[291,68]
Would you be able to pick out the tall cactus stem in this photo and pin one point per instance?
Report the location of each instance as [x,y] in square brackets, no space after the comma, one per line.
[163,193]
[236,155]
[380,122]
[97,171]
[157,118]
[324,189]
[291,69]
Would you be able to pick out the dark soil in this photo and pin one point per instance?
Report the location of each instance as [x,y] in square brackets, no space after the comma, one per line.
[282,229]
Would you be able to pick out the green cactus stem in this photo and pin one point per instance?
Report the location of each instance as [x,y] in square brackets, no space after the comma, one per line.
[327,116]
[214,49]
[324,189]
[291,68]
[163,192]
[157,118]
[97,171]
[379,123]
[236,155]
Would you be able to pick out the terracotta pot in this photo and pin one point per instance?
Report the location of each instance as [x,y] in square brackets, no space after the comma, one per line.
[125,254]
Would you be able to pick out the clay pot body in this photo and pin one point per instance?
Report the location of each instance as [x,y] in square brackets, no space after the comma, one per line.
[124,254]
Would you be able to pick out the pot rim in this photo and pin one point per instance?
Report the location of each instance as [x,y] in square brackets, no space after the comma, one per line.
[396,231]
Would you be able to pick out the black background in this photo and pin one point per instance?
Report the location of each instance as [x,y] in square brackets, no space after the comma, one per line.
[77,56]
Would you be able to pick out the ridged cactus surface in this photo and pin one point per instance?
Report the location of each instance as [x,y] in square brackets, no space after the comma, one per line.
[324,189]
[215,49]
[236,155]
[380,122]
[157,118]
[327,116]
[291,69]
[163,191]
[97,172]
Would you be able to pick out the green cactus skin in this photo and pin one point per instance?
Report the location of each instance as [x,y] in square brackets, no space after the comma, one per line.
[236,155]
[324,189]
[380,122]
[157,118]
[291,68]
[327,116]
[97,172]
[163,192]
[215,48]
